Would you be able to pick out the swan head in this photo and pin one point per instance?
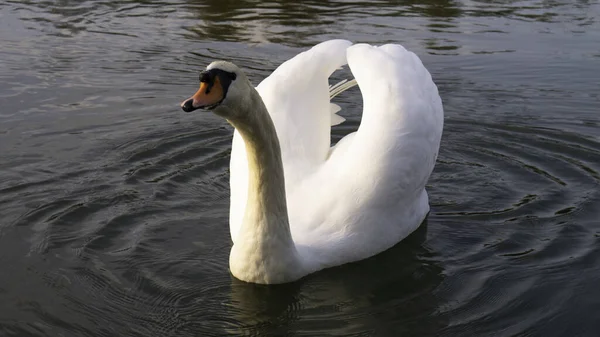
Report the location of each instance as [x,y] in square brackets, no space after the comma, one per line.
[222,87]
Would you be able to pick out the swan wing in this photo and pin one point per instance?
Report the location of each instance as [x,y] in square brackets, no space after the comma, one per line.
[397,142]
[370,193]
[296,95]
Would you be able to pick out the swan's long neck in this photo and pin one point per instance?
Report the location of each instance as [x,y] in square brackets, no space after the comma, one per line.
[264,251]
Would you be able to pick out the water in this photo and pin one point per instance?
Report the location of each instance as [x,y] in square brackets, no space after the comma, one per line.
[114,203]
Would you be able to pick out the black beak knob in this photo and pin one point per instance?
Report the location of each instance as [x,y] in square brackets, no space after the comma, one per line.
[188,106]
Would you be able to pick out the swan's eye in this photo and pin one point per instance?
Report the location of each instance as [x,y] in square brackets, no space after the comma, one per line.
[206,77]
[232,76]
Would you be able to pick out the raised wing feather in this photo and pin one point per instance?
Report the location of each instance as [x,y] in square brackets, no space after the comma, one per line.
[296,95]
[402,119]
[370,193]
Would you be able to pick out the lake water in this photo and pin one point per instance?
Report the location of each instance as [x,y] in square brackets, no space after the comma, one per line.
[114,203]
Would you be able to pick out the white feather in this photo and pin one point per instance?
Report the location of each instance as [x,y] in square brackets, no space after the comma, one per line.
[368,192]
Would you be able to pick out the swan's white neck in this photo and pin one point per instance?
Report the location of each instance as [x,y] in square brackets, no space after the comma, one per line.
[264,251]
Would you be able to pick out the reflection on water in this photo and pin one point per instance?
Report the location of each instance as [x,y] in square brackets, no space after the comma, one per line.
[114,204]
[306,23]
[386,295]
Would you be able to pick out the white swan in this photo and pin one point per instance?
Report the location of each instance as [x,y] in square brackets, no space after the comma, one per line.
[336,204]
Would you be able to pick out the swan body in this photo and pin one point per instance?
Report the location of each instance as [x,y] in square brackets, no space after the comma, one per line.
[299,205]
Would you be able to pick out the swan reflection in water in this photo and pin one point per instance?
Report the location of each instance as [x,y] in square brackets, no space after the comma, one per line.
[390,294]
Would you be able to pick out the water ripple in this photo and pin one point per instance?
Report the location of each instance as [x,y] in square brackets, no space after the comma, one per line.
[115,204]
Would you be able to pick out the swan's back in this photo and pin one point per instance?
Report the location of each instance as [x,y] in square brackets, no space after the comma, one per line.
[368,193]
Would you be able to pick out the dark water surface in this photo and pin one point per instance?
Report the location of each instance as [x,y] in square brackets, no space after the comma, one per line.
[114,203]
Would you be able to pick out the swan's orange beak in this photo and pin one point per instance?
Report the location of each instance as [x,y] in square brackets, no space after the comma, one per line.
[207,97]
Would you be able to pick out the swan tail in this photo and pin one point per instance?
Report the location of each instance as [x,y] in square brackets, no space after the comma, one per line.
[340,87]
[335,118]
[334,90]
